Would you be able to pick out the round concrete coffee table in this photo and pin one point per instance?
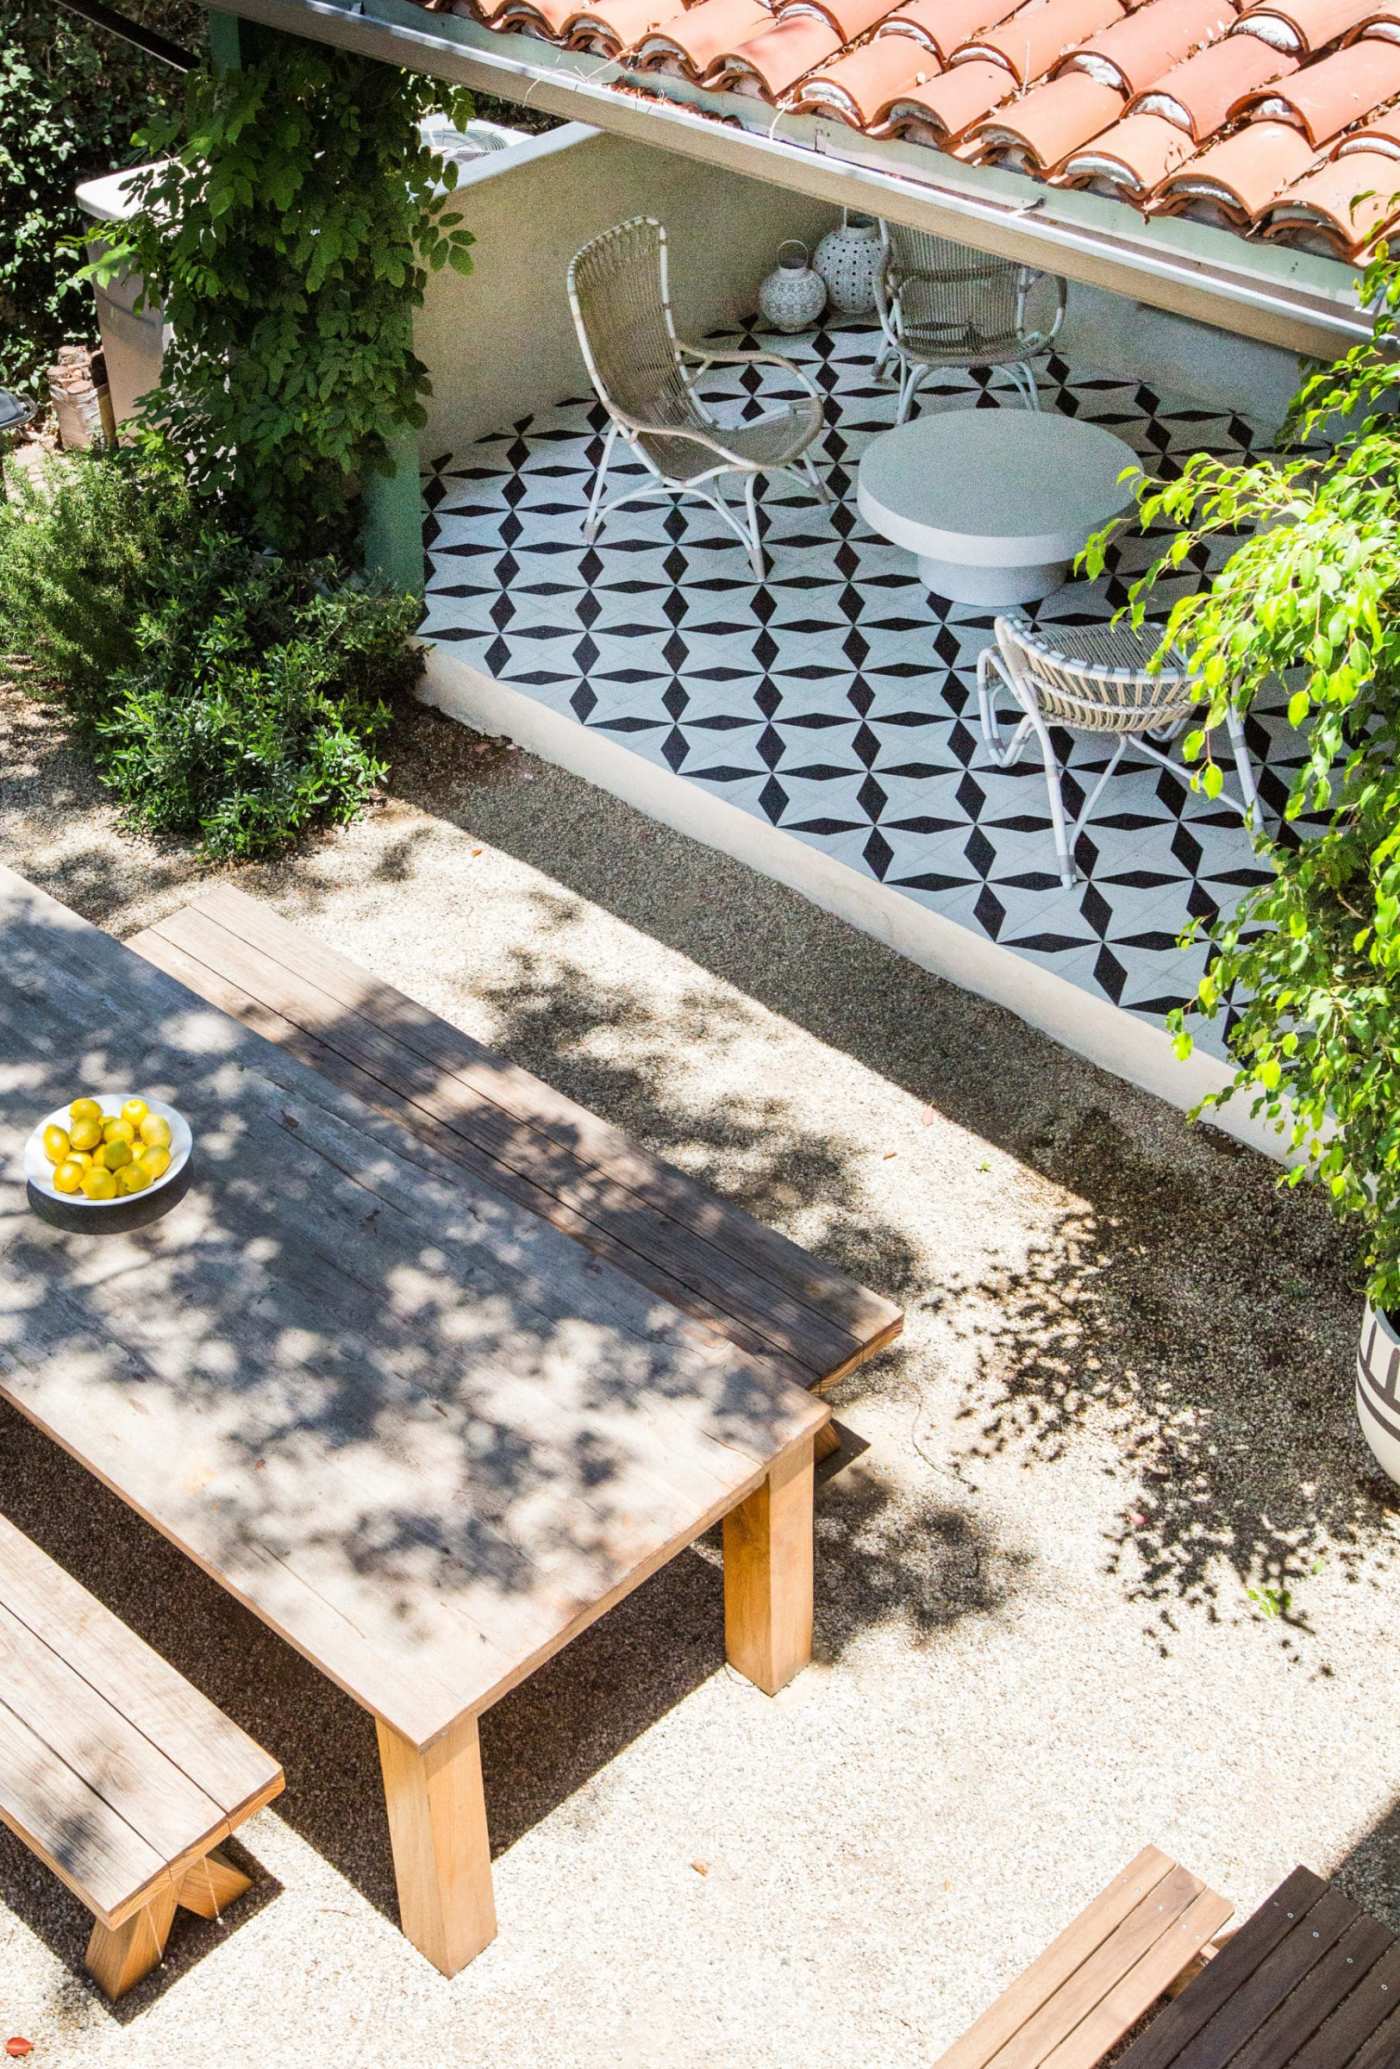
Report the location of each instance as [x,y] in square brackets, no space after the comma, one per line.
[995,502]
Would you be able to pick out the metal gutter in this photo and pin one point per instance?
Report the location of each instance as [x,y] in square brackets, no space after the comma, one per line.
[1303,303]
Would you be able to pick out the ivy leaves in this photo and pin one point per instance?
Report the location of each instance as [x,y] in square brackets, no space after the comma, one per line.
[288,232]
[1308,593]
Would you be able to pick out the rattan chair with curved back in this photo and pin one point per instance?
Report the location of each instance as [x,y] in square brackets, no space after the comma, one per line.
[941,305]
[1095,680]
[645,378]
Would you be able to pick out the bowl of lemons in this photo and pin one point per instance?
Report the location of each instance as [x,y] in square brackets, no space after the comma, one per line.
[106,1148]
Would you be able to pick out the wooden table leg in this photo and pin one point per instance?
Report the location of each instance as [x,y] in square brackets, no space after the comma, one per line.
[212,1884]
[768,1575]
[442,1854]
[120,1955]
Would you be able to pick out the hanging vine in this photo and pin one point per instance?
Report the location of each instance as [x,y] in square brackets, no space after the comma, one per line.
[288,230]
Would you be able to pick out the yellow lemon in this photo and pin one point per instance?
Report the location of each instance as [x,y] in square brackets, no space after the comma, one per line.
[56,1144]
[85,1110]
[68,1177]
[133,1178]
[99,1184]
[79,1157]
[119,1131]
[86,1133]
[113,1155]
[156,1161]
[135,1111]
[155,1131]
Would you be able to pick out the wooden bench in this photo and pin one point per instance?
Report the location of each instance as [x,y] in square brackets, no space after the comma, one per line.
[1309,1981]
[708,1258]
[113,1769]
[1106,1969]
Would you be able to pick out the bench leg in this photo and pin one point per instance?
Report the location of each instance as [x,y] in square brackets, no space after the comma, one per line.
[768,1575]
[442,1853]
[119,1955]
[211,1885]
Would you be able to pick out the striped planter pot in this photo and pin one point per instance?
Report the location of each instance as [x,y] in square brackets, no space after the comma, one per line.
[1378,1389]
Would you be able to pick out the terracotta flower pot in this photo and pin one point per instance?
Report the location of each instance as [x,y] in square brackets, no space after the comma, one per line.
[1378,1389]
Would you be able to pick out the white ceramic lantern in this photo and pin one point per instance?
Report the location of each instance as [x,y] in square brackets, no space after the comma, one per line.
[848,260]
[793,296]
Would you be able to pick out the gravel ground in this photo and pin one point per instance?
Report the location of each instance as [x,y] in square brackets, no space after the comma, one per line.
[1122,1403]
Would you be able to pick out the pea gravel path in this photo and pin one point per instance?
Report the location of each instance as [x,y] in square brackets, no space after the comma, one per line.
[1122,1403]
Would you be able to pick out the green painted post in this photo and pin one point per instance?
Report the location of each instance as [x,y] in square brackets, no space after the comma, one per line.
[393,539]
[225,42]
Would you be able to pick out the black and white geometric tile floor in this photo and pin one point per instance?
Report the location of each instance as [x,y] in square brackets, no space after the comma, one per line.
[836,701]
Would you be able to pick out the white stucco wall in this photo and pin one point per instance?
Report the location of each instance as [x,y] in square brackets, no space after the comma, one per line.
[1178,357]
[501,343]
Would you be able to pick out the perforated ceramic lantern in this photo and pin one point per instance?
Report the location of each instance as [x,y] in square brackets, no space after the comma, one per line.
[848,260]
[793,296]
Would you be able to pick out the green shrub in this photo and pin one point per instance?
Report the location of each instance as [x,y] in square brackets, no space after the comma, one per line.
[229,696]
[75,562]
[71,99]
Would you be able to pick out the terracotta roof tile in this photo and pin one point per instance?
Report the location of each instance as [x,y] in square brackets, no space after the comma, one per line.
[859,87]
[1236,179]
[1338,206]
[1303,27]
[1267,122]
[1198,93]
[1035,132]
[1129,160]
[1134,51]
[1325,98]
[689,43]
[941,111]
[944,24]
[1030,41]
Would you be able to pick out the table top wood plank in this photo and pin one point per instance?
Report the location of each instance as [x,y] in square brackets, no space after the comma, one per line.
[413,1427]
[867,1319]
[354,1076]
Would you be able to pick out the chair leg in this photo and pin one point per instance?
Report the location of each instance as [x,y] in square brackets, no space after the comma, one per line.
[1244,769]
[908,388]
[756,559]
[1023,374]
[809,469]
[595,500]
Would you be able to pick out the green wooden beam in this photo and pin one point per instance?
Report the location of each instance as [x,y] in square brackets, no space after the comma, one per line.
[225,42]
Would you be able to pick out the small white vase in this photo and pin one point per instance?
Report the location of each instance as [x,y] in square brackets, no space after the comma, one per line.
[793,296]
[848,260]
[1378,1390]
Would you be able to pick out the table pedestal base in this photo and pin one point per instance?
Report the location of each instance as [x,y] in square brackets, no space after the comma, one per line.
[961,582]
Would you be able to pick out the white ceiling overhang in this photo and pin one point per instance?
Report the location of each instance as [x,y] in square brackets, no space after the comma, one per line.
[1305,303]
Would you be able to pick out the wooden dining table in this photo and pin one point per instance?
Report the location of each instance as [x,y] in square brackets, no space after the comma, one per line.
[413,1427]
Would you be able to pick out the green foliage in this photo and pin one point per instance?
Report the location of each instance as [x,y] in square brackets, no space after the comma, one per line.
[289,237]
[229,696]
[1312,957]
[74,556]
[71,98]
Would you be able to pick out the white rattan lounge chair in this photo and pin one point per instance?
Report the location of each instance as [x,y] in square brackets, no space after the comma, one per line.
[645,378]
[1094,679]
[941,305]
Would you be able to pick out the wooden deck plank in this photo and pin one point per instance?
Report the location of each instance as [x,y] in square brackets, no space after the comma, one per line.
[1325,1986]
[421,1433]
[1235,1969]
[229,1769]
[1138,1989]
[831,1322]
[1375,1999]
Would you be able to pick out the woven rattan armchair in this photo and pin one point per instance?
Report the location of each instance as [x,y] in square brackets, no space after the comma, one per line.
[1097,680]
[941,305]
[645,378]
